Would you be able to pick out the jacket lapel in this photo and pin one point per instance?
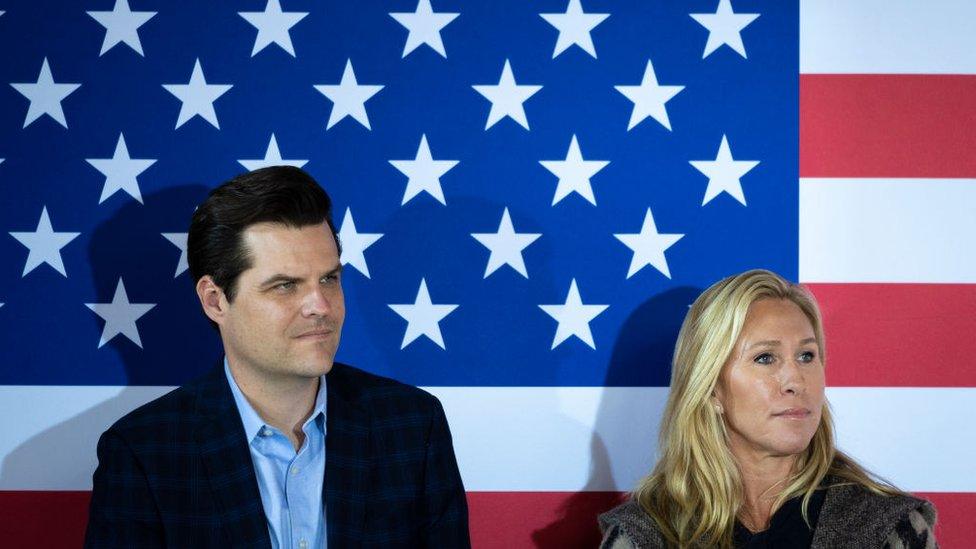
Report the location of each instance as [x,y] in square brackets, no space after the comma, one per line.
[227,464]
[347,462]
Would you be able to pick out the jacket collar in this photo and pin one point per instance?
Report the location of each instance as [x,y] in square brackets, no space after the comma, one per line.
[227,463]
[348,461]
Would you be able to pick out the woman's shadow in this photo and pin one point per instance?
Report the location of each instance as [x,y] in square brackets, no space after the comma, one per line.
[620,453]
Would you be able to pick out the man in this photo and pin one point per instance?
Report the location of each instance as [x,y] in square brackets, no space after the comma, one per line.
[277,447]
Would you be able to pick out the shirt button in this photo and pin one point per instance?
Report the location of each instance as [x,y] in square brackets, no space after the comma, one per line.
[303,544]
[266,432]
[294,470]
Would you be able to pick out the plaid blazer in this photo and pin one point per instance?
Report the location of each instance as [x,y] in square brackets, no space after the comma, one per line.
[177,472]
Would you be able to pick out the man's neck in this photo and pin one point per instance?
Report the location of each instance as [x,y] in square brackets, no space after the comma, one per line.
[284,403]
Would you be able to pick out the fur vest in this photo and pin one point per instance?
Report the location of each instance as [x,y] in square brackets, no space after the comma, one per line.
[851,516]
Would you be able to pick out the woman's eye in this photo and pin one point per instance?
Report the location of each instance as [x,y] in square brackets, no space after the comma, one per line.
[807,356]
[765,358]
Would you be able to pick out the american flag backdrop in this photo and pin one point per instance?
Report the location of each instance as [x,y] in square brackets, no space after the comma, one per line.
[529,196]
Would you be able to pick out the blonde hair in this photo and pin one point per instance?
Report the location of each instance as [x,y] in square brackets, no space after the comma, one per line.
[695,490]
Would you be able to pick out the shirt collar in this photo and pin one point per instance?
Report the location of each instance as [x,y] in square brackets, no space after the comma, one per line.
[249,416]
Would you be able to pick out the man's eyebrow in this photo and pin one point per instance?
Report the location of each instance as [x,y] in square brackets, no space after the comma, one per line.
[335,271]
[278,278]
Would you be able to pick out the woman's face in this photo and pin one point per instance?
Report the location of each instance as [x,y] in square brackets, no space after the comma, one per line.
[771,389]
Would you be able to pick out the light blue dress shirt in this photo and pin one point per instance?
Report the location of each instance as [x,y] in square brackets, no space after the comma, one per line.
[290,482]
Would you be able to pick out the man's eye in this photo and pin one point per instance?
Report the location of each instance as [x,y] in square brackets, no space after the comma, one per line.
[330,279]
[765,358]
[285,286]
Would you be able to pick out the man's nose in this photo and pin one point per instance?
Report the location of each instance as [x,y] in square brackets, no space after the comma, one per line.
[316,303]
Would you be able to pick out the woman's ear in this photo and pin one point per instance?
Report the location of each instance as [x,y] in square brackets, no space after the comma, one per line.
[717,398]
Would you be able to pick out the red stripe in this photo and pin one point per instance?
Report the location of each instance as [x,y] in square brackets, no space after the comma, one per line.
[887,125]
[43,519]
[954,528]
[502,520]
[898,335]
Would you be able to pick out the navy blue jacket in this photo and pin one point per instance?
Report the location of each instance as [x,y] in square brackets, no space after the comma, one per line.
[177,472]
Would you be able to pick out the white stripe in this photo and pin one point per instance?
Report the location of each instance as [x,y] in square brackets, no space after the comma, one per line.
[530,438]
[553,438]
[921,439]
[887,230]
[888,36]
[50,432]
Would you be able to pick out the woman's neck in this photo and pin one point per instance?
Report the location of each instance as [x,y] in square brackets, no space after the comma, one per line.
[763,479]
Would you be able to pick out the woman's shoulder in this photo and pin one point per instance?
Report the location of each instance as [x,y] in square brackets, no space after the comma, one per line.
[853,512]
[862,503]
[627,526]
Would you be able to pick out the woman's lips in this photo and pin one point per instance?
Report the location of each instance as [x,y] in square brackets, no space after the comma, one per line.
[793,413]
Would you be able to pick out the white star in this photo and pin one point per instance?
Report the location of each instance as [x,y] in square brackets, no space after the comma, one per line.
[573,317]
[45,96]
[44,245]
[120,316]
[506,246]
[198,97]
[648,246]
[348,97]
[574,173]
[121,25]
[724,27]
[354,243]
[273,25]
[423,317]
[506,98]
[178,240]
[574,27]
[649,98]
[723,173]
[425,27]
[120,171]
[272,157]
[423,173]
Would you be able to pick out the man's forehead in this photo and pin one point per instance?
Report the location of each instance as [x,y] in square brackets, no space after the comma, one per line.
[276,246]
[266,229]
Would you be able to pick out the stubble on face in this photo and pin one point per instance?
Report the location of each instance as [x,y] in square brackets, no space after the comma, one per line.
[286,319]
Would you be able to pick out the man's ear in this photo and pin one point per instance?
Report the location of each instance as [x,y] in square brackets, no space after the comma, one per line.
[212,299]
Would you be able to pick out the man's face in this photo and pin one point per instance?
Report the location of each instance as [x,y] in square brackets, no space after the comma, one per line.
[287,313]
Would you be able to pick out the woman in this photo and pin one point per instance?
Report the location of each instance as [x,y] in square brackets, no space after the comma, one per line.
[747,456]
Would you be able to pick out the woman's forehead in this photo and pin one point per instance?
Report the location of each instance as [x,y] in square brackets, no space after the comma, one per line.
[774,318]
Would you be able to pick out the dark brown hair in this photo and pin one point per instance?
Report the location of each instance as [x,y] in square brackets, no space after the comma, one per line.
[278,194]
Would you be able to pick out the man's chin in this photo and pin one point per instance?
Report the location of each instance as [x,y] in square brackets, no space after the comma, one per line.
[319,364]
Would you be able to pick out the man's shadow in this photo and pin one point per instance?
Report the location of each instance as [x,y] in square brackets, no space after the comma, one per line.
[620,454]
[177,343]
